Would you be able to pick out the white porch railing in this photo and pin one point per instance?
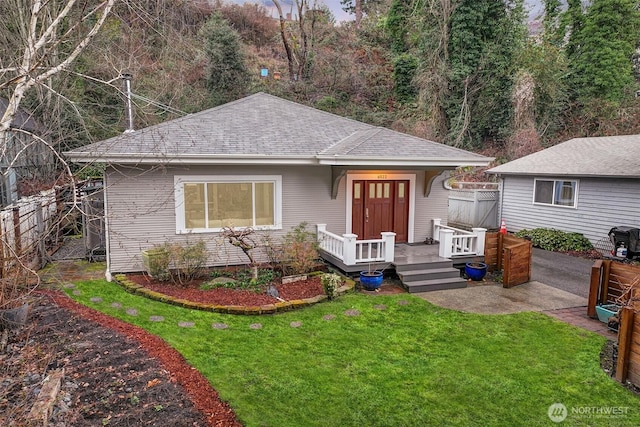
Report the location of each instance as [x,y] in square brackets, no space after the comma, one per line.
[455,242]
[351,251]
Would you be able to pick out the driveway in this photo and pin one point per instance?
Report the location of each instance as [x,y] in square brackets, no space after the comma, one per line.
[558,281]
[561,271]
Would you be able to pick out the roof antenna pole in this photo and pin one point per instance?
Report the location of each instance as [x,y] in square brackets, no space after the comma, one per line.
[126,77]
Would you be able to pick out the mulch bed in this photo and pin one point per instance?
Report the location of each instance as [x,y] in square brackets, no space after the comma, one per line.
[300,289]
[116,374]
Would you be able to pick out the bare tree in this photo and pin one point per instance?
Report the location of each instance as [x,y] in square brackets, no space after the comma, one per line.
[39,40]
[43,27]
[297,40]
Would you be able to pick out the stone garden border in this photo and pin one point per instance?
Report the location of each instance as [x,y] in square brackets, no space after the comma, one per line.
[277,307]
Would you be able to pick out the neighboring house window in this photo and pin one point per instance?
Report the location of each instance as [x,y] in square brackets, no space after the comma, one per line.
[213,202]
[555,192]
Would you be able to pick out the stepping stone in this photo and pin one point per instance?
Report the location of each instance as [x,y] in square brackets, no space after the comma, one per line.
[116,305]
[255,326]
[328,317]
[68,286]
[295,324]
[223,280]
[77,292]
[156,318]
[96,299]
[352,312]
[403,302]
[380,307]
[186,324]
[132,312]
[219,326]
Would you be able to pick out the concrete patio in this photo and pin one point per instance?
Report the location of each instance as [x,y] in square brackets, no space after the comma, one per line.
[492,298]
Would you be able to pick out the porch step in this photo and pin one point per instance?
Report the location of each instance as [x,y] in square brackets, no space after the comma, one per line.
[436,263]
[435,285]
[429,274]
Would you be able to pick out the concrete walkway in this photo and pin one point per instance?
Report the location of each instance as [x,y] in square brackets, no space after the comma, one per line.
[492,298]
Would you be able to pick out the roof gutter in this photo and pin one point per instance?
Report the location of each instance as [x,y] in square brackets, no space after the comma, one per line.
[261,159]
[411,161]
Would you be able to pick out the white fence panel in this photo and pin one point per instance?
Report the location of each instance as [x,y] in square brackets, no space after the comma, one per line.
[474,208]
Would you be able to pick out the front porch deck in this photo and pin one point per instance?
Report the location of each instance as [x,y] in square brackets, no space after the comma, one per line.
[419,267]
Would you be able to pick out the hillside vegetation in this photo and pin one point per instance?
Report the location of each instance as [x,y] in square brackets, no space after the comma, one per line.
[462,72]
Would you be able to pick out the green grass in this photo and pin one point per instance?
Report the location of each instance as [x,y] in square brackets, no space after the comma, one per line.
[408,365]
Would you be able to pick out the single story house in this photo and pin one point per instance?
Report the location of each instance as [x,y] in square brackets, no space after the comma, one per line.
[270,164]
[584,185]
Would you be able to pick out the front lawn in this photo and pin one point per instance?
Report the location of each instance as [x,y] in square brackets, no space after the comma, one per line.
[386,361]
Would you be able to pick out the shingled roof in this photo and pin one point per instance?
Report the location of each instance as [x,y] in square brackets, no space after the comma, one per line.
[22,120]
[265,129]
[606,156]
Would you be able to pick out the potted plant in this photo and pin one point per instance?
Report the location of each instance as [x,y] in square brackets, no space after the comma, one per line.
[605,311]
[475,270]
[371,279]
[156,262]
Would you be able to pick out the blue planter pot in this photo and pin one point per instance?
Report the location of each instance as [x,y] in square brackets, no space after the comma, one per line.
[475,270]
[371,280]
[605,311]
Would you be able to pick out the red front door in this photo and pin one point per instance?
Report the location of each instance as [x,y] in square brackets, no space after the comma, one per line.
[380,206]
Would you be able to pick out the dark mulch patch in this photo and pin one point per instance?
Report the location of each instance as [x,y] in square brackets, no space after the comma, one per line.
[608,360]
[590,254]
[308,288]
[116,374]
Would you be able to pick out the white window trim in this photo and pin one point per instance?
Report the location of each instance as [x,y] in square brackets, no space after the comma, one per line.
[383,176]
[556,180]
[179,180]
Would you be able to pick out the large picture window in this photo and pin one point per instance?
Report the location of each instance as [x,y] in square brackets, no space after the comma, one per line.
[555,192]
[211,203]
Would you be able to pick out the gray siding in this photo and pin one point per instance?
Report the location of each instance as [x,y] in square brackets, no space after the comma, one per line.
[141,208]
[602,204]
[436,205]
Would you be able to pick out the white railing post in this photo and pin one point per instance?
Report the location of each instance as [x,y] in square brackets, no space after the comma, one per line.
[481,233]
[436,228]
[349,250]
[320,237]
[446,243]
[388,241]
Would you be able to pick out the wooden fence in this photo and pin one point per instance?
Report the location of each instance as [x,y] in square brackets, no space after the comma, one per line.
[609,280]
[610,283]
[628,363]
[510,254]
[31,229]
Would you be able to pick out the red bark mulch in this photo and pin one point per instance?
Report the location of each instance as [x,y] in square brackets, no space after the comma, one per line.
[202,394]
[300,289]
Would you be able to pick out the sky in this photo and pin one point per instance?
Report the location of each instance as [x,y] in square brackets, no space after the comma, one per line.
[535,7]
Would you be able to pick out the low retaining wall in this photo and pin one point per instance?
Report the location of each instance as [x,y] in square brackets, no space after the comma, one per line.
[278,307]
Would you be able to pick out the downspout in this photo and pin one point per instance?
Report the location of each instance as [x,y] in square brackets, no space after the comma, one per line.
[107,240]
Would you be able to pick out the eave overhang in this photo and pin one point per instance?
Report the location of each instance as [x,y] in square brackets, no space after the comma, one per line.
[261,159]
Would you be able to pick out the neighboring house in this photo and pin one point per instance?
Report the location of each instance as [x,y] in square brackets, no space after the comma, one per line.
[267,163]
[584,185]
[23,157]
